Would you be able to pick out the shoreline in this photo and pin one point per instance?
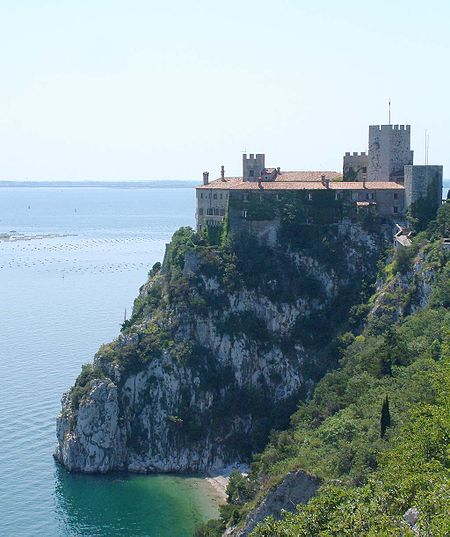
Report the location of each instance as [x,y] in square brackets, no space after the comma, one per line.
[218,479]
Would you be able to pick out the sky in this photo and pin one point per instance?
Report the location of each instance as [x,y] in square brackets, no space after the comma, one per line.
[144,89]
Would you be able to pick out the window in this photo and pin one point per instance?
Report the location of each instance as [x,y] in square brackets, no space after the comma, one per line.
[364,169]
[396,195]
[395,210]
[309,196]
[251,173]
[221,196]
[337,196]
[201,195]
[215,196]
[209,211]
[200,211]
[222,212]
[216,211]
[279,197]
[244,213]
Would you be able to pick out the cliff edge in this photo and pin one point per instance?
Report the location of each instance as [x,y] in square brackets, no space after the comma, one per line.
[224,341]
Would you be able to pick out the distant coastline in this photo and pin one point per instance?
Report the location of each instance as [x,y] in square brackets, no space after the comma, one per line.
[100,184]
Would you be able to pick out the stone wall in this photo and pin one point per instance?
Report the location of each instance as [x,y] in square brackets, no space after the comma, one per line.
[389,152]
[422,181]
[355,166]
[211,206]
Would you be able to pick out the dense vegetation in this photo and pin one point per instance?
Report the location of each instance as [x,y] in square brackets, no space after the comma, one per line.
[376,431]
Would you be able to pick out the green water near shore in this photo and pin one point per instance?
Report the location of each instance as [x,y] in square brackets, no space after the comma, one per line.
[134,506]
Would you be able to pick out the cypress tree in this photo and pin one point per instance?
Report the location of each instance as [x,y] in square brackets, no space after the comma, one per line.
[385,420]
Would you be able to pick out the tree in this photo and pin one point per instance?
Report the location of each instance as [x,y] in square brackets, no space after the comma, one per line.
[385,420]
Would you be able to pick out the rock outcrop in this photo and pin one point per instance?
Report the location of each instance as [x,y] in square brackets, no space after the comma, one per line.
[297,487]
[219,350]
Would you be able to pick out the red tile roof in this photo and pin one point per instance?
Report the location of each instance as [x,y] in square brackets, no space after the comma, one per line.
[293,181]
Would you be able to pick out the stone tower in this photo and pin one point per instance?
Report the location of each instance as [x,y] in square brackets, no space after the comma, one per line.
[424,183]
[389,152]
[252,166]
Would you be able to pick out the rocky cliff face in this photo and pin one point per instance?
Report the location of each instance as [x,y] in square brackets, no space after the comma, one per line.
[222,344]
[296,487]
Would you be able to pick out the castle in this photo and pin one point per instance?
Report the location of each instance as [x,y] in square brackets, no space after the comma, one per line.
[383,181]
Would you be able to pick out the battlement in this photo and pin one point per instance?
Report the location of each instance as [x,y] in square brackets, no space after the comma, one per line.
[355,154]
[405,128]
[253,165]
[254,158]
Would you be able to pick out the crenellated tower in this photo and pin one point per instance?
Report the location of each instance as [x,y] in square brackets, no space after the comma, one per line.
[253,166]
[389,152]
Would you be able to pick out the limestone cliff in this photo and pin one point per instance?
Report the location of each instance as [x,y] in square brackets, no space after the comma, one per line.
[222,344]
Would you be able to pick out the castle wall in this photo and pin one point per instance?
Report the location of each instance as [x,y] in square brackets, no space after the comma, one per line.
[355,166]
[211,207]
[390,203]
[389,152]
[423,182]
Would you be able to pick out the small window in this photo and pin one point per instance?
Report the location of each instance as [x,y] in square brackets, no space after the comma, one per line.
[209,211]
[215,196]
[395,210]
[309,196]
[222,212]
[201,195]
[251,173]
[244,213]
[200,211]
[364,169]
[396,195]
[221,196]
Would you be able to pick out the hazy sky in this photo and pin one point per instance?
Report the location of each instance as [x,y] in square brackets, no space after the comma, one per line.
[143,89]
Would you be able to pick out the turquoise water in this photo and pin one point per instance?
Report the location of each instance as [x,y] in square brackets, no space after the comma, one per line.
[62,297]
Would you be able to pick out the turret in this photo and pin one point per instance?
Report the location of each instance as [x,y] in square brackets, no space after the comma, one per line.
[252,166]
[205,178]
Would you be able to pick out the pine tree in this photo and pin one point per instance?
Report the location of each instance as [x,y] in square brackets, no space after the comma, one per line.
[385,420]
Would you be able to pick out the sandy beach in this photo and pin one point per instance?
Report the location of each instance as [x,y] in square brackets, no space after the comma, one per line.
[218,479]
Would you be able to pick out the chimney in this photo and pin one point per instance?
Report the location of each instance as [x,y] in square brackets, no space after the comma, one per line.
[325,181]
[278,171]
[205,178]
[222,173]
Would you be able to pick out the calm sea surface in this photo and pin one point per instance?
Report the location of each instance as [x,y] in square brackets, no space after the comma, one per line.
[62,297]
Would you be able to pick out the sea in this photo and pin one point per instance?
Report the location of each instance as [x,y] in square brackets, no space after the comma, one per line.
[71,263]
